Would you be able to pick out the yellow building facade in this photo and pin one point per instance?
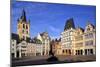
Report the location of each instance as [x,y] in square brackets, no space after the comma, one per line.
[57,48]
[78,47]
[78,41]
[85,41]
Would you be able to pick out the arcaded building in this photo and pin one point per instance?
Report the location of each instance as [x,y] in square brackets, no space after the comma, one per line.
[67,37]
[90,39]
[78,41]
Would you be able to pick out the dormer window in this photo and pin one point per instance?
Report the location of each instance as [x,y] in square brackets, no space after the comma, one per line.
[26,27]
[88,29]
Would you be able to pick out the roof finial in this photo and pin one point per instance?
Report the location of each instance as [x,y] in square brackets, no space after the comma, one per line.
[23,17]
[88,22]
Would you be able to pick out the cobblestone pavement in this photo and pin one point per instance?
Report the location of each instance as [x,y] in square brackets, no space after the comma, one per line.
[43,60]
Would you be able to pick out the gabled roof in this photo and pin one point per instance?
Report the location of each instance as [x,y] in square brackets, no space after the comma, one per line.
[41,34]
[81,28]
[92,25]
[88,23]
[35,40]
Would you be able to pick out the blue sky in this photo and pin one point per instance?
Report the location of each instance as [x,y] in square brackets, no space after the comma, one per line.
[51,17]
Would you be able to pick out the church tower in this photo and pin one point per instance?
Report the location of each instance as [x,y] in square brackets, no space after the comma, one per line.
[23,27]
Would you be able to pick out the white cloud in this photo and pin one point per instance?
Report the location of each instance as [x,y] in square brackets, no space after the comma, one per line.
[54,37]
[56,30]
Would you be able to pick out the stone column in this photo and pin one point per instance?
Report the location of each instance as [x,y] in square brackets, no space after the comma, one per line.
[94,51]
[74,51]
[83,44]
[35,49]
[94,45]
[83,51]
[41,49]
[20,52]
[45,47]
[15,55]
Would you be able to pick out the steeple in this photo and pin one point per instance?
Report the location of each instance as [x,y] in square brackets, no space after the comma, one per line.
[23,16]
[69,24]
[23,28]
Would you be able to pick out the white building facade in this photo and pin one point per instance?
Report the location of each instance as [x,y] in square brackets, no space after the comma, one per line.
[67,37]
[34,49]
[78,41]
[85,41]
[45,39]
[13,48]
[67,41]
[89,40]
[21,49]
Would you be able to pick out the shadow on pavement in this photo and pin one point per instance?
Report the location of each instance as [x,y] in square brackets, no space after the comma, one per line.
[52,58]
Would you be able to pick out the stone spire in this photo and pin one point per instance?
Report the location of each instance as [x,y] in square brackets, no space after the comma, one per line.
[23,17]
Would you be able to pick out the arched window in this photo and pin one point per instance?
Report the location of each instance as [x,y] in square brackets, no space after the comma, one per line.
[66,51]
[23,25]
[23,37]
[26,27]
[88,29]
[63,51]
[22,31]
[69,51]
[27,32]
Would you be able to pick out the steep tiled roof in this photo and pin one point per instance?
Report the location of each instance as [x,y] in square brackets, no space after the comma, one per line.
[69,24]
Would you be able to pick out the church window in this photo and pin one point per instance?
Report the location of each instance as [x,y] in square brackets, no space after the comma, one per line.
[27,32]
[88,29]
[22,31]
[23,37]
[23,25]
[26,27]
